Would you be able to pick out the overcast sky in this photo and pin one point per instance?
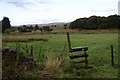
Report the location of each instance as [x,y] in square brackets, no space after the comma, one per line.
[21,12]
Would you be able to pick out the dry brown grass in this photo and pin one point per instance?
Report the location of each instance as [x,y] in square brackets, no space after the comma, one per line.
[52,64]
[64,31]
[22,39]
[61,31]
[39,32]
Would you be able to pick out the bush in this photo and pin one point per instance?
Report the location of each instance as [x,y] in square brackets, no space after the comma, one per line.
[28,30]
[7,31]
[25,30]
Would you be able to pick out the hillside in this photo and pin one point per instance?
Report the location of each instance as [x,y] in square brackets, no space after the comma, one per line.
[50,24]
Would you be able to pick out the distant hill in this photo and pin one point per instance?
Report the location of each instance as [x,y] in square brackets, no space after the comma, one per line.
[50,24]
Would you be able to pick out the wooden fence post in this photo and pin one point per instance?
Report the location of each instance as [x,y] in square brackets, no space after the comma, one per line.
[32,52]
[112,56]
[68,38]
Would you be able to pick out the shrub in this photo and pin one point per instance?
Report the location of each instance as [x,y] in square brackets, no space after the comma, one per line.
[7,31]
[25,30]
[28,30]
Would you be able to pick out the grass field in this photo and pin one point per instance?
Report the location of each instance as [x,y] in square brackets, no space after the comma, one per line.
[99,54]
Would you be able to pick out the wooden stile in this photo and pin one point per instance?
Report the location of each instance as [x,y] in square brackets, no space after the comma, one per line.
[85,55]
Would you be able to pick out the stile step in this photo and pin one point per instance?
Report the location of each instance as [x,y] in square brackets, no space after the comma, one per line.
[78,56]
[83,61]
[84,67]
[79,49]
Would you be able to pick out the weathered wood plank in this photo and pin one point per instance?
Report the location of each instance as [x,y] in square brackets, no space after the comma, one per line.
[79,49]
[78,56]
[32,52]
[83,67]
[112,56]
[83,61]
[68,39]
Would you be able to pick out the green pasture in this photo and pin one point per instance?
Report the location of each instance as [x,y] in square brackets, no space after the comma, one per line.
[98,50]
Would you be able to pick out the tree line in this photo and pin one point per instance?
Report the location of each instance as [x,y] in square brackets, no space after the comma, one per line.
[7,28]
[93,22]
[96,22]
[30,28]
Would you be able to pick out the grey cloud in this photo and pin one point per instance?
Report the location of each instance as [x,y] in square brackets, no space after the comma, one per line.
[44,1]
[45,21]
[30,1]
[19,4]
[105,10]
[15,0]
[25,4]
[109,10]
